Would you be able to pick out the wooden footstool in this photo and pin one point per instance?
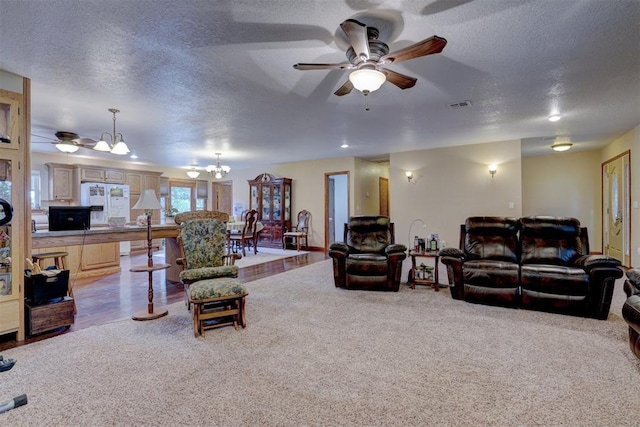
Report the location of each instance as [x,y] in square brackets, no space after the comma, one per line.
[217,302]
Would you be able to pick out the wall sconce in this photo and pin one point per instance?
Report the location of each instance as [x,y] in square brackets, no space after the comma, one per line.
[409,175]
[493,169]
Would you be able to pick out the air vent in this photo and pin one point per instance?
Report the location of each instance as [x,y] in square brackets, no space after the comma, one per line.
[461,104]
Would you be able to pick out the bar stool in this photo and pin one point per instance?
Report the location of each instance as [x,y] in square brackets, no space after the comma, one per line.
[60,261]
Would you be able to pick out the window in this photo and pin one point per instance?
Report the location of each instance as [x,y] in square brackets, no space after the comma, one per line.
[182,197]
[35,190]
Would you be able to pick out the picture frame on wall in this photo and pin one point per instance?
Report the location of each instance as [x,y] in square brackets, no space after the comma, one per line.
[5,283]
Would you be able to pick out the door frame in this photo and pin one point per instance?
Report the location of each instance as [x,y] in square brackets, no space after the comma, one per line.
[327,177]
[626,211]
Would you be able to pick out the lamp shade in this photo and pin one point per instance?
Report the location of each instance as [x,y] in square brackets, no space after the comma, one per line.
[564,146]
[367,80]
[147,201]
[67,148]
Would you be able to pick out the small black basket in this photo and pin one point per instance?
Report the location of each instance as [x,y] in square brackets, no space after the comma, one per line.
[41,289]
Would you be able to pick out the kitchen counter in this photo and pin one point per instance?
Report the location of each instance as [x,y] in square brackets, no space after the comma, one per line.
[48,239]
[43,239]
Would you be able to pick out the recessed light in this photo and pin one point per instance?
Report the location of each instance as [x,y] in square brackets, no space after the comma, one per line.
[554,118]
[134,156]
[344,146]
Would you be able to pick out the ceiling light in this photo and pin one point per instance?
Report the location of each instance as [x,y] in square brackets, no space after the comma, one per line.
[117,144]
[193,173]
[218,171]
[367,80]
[67,148]
[554,118]
[561,146]
[345,145]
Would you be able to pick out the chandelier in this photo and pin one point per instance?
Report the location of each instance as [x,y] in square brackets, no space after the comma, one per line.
[218,171]
[117,144]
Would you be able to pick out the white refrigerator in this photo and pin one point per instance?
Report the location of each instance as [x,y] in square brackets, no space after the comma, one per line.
[107,200]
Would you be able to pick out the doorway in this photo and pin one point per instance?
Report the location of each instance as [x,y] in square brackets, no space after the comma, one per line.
[336,202]
[383,196]
[616,208]
[222,196]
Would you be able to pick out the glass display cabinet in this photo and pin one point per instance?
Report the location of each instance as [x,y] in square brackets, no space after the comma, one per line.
[13,215]
[271,197]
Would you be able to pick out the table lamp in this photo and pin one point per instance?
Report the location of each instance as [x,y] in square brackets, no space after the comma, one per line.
[148,201]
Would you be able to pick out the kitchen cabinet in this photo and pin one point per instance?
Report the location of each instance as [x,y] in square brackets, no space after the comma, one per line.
[138,181]
[108,176]
[271,197]
[63,185]
[14,246]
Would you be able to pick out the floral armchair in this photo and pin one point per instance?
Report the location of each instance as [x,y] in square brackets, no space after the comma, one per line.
[212,290]
[202,240]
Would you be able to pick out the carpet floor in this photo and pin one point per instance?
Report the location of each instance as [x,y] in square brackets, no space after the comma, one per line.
[316,355]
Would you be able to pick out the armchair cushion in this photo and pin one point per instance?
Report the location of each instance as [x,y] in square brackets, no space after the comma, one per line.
[203,242]
[196,274]
[368,234]
[215,288]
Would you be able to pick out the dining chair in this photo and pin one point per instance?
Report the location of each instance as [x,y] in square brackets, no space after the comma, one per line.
[299,232]
[248,235]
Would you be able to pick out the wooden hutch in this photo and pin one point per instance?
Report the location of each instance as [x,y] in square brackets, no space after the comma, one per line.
[271,197]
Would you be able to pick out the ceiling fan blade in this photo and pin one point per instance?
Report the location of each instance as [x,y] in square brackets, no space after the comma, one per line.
[433,44]
[357,34]
[303,67]
[85,142]
[400,80]
[344,89]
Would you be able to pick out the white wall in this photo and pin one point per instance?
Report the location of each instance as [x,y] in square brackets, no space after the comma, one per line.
[451,184]
[565,184]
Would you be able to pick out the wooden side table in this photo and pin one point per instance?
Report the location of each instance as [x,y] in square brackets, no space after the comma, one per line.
[149,313]
[414,273]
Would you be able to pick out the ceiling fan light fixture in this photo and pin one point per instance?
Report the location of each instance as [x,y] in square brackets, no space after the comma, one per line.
[367,80]
[67,148]
[562,146]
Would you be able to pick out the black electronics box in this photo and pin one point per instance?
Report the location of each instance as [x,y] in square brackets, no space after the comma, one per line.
[41,288]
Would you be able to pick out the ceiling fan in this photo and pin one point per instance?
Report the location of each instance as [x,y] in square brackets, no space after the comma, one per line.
[367,56]
[67,142]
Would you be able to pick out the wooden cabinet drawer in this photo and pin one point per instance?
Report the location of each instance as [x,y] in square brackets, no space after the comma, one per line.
[45,317]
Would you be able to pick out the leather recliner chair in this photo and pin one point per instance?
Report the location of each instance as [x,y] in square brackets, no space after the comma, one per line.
[368,258]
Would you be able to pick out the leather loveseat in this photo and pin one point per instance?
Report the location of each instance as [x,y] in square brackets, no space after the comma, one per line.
[538,263]
[368,258]
[631,309]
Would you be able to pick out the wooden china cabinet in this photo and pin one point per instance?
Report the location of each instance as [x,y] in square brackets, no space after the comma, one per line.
[271,197]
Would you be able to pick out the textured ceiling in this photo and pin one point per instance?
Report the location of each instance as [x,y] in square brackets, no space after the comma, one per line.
[192,78]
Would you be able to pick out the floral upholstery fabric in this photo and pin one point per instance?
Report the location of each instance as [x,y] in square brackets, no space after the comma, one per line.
[203,242]
[216,288]
[195,274]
